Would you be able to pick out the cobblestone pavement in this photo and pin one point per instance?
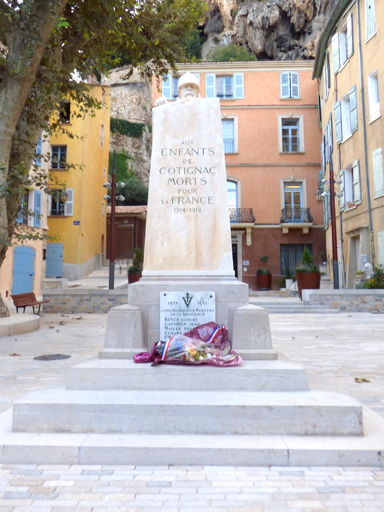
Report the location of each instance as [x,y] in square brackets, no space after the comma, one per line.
[335,349]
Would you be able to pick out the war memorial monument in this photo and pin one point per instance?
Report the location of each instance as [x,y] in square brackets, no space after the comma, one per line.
[261,412]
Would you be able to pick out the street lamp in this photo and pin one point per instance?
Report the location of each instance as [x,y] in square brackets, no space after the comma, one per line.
[112,198]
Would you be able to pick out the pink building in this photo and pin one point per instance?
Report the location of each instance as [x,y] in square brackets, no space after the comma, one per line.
[272,143]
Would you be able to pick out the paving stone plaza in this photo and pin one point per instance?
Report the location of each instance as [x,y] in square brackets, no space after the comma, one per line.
[334,349]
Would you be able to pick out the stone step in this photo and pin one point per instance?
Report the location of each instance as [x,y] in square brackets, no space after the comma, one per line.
[123,449]
[99,374]
[292,308]
[189,412]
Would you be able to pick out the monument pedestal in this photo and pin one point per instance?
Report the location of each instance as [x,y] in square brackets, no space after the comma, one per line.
[135,327]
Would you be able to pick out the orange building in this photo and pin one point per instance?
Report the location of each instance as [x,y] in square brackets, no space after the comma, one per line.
[272,144]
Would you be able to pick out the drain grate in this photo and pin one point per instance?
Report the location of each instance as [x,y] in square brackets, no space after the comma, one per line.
[51,357]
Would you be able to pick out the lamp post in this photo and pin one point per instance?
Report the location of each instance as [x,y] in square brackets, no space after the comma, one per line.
[112,245]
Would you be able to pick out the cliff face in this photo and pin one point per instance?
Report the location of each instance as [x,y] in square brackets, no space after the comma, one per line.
[271,29]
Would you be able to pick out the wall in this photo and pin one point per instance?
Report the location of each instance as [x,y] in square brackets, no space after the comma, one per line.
[79,302]
[347,300]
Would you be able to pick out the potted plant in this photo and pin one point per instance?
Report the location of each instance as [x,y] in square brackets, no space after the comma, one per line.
[135,270]
[288,278]
[307,273]
[359,274]
[264,277]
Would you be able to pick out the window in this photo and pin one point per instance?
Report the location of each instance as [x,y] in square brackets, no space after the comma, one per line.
[102,135]
[224,87]
[229,135]
[350,188]
[38,151]
[293,202]
[61,205]
[342,45]
[64,112]
[326,77]
[378,177]
[232,193]
[290,256]
[289,84]
[291,134]
[370,25]
[104,172]
[373,94]
[346,122]
[169,86]
[103,209]
[58,157]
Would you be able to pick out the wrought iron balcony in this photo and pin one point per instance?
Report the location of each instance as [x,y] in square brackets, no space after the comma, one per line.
[241,216]
[294,215]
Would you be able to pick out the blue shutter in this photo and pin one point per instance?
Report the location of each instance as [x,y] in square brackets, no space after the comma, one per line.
[338,123]
[322,156]
[166,86]
[330,134]
[350,36]
[295,93]
[356,182]
[284,85]
[353,108]
[321,184]
[37,208]
[326,144]
[239,86]
[342,191]
[19,218]
[38,151]
[210,86]
[335,53]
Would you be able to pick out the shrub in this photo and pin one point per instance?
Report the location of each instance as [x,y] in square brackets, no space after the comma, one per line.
[307,257]
[376,281]
[231,53]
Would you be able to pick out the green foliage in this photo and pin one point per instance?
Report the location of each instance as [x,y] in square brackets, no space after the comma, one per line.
[193,43]
[134,192]
[303,268]
[263,270]
[376,281]
[231,53]
[127,128]
[307,257]
[138,258]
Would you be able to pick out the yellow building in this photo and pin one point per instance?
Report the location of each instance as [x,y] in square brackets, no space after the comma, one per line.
[78,218]
[350,70]
[24,264]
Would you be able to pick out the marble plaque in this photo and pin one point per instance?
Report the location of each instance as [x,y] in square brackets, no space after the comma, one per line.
[188,228]
[182,311]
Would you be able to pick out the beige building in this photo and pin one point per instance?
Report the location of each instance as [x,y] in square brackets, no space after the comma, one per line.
[350,70]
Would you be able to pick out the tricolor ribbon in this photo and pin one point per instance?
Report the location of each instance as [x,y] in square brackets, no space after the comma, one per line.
[215,333]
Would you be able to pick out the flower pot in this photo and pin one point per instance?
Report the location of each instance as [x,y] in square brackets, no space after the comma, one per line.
[288,283]
[307,281]
[264,281]
[133,278]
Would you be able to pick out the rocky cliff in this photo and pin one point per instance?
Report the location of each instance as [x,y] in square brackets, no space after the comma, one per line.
[270,29]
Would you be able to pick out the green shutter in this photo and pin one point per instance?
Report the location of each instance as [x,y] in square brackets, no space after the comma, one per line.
[338,123]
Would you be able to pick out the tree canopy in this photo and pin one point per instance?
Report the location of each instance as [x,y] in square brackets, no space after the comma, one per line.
[42,44]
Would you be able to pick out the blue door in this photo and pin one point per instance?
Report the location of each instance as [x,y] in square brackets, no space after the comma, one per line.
[54,264]
[23,270]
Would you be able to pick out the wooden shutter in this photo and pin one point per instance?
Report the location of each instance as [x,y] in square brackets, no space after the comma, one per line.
[342,191]
[68,207]
[349,36]
[295,85]
[325,79]
[239,85]
[378,177]
[326,144]
[370,26]
[167,87]
[321,184]
[322,156]
[37,208]
[284,84]
[335,53]
[210,85]
[338,123]
[353,108]
[20,215]
[356,182]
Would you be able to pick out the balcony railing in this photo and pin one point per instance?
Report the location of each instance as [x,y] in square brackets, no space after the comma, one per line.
[241,216]
[294,215]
